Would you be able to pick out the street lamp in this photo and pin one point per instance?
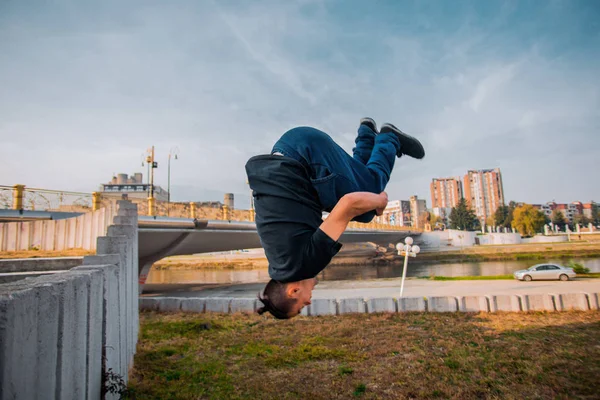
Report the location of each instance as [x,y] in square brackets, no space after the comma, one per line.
[406,250]
[174,152]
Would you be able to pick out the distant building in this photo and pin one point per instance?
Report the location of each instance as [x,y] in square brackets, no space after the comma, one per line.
[396,213]
[569,211]
[443,213]
[484,191]
[133,187]
[587,209]
[417,210]
[446,192]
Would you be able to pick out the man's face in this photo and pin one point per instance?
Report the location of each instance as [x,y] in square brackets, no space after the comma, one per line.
[303,293]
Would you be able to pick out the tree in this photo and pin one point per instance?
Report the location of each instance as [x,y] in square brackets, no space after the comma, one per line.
[581,220]
[595,214]
[527,220]
[504,215]
[462,217]
[558,219]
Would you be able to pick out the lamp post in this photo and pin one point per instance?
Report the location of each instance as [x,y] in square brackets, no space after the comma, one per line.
[151,165]
[406,250]
[174,152]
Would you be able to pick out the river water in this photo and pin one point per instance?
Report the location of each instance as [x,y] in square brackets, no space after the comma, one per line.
[357,272]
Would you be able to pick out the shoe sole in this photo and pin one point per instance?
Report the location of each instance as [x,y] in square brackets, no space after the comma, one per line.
[369,122]
[409,145]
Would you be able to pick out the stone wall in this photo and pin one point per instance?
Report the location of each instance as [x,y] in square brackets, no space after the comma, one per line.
[60,335]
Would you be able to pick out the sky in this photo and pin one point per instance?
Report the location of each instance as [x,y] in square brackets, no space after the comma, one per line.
[87,87]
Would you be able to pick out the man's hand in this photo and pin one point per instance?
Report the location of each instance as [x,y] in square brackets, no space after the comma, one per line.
[350,206]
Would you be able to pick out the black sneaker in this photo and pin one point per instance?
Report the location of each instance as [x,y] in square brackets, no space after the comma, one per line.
[370,122]
[409,145]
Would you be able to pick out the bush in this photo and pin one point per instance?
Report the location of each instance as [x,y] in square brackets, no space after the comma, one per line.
[578,267]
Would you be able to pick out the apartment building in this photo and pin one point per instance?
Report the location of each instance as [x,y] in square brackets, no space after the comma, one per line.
[484,191]
[446,192]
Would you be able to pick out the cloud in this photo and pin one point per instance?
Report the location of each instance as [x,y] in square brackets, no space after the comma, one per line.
[85,90]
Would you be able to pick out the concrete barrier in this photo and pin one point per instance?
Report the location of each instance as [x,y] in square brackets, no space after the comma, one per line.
[243,305]
[219,305]
[347,306]
[571,301]
[170,304]
[442,304]
[60,333]
[192,305]
[411,304]
[386,304]
[323,307]
[504,303]
[473,304]
[594,300]
[537,302]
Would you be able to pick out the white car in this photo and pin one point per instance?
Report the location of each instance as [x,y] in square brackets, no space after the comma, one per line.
[545,271]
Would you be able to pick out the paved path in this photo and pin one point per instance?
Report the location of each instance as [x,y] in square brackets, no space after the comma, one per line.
[387,288]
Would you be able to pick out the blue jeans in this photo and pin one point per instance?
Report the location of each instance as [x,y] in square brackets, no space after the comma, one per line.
[333,172]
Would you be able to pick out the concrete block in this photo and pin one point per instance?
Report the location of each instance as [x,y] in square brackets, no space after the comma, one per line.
[442,304]
[537,302]
[571,301]
[18,344]
[593,299]
[243,305]
[169,304]
[148,304]
[384,304]
[323,307]
[347,306]
[505,303]
[304,311]
[44,369]
[406,304]
[111,340]
[72,291]
[95,317]
[193,305]
[473,304]
[218,304]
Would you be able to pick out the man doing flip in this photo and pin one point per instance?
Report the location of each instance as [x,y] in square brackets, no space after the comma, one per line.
[305,174]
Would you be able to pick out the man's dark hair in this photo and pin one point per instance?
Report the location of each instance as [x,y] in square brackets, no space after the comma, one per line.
[276,301]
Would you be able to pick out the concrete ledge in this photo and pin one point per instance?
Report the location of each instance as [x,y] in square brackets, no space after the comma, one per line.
[39,264]
[537,302]
[243,305]
[473,304]
[492,303]
[217,304]
[323,307]
[406,304]
[571,301]
[504,303]
[593,299]
[348,306]
[192,305]
[442,304]
[386,304]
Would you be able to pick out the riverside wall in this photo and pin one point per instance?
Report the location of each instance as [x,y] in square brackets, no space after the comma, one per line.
[63,336]
[54,235]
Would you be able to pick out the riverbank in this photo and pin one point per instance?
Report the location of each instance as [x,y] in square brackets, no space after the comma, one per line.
[451,355]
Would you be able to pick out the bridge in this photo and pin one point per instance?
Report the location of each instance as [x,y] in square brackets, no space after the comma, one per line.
[165,237]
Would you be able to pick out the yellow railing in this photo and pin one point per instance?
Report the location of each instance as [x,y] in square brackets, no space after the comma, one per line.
[20,197]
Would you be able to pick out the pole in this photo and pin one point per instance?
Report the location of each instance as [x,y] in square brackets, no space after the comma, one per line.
[169,184]
[406,250]
[152,174]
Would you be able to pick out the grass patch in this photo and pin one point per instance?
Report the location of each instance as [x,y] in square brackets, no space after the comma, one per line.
[409,355]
